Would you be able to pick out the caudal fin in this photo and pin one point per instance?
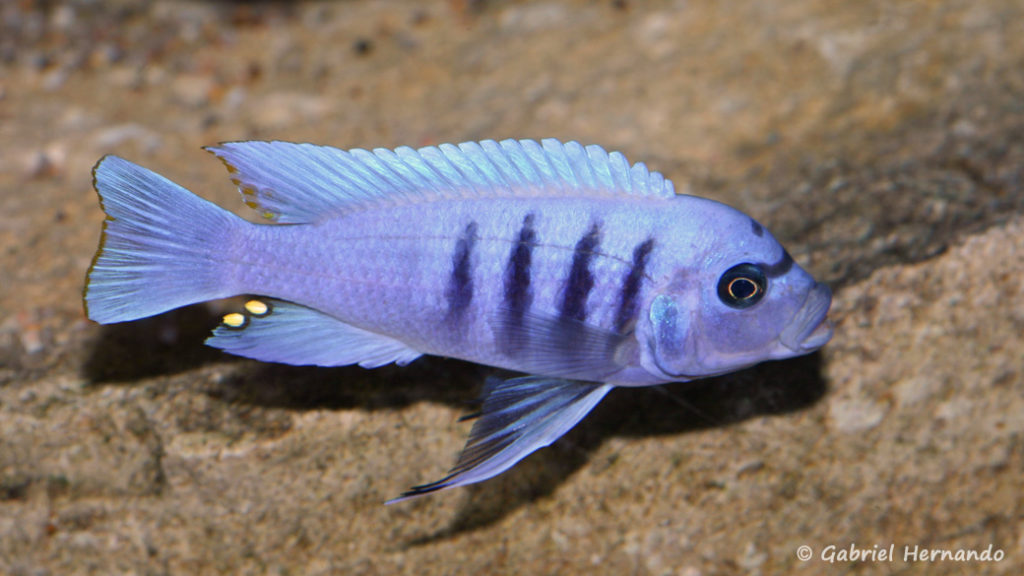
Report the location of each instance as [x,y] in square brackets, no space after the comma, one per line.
[161,248]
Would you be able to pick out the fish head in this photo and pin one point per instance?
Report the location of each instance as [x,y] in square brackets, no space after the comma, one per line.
[744,302]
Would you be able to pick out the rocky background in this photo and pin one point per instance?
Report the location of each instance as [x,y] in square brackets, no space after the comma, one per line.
[882,141]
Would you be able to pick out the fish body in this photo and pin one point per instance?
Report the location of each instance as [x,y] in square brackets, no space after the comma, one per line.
[557,260]
[442,278]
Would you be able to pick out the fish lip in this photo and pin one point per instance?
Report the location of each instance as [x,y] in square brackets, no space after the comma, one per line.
[810,327]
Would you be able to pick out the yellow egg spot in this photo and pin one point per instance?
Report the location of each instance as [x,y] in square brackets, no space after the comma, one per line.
[270,215]
[257,308]
[252,204]
[234,320]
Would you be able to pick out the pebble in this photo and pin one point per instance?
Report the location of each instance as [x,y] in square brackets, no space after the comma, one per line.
[47,162]
[532,18]
[286,109]
[115,136]
[29,334]
[853,415]
[192,90]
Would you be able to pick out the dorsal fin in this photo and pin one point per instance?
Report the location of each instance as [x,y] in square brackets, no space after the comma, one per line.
[294,183]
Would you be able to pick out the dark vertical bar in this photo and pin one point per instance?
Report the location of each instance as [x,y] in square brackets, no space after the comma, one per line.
[460,285]
[580,280]
[631,286]
[518,296]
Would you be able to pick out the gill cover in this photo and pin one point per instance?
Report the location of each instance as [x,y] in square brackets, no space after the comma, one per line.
[669,338]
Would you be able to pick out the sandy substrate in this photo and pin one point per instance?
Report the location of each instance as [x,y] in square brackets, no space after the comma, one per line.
[882,142]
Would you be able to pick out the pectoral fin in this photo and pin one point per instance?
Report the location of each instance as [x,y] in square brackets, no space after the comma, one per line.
[561,347]
[518,417]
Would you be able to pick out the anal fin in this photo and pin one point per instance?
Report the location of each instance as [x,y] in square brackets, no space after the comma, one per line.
[518,417]
[279,331]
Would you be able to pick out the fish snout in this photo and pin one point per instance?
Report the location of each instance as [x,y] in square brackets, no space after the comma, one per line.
[810,327]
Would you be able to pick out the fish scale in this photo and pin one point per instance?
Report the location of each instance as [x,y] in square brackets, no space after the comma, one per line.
[362,281]
[560,261]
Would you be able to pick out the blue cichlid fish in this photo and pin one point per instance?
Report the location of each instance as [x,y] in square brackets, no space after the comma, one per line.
[556,260]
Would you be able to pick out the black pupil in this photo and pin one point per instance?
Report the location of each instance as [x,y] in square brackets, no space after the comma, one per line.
[742,288]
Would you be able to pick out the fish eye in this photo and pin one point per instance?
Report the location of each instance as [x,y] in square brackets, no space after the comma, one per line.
[742,286]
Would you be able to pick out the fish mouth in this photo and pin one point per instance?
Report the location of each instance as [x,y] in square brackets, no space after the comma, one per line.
[810,328]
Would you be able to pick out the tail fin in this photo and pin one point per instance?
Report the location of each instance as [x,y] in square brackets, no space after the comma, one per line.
[161,248]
